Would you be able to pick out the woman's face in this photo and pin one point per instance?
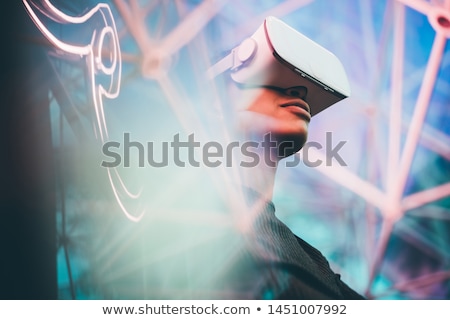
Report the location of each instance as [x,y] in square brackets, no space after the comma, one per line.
[282,112]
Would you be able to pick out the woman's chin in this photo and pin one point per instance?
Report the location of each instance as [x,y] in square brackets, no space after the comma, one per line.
[289,143]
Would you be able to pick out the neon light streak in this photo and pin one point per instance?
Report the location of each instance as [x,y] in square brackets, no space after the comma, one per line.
[396,96]
[419,113]
[349,180]
[418,5]
[93,52]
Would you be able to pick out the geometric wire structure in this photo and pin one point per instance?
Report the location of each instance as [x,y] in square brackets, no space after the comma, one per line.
[381,203]
[391,200]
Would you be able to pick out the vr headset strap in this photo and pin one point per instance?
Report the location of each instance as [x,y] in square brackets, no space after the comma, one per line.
[239,56]
[221,66]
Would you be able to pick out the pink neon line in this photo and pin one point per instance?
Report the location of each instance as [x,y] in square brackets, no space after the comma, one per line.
[112,92]
[351,181]
[409,233]
[381,59]
[434,140]
[81,50]
[423,197]
[54,13]
[136,26]
[418,5]
[431,138]
[395,118]
[416,283]
[191,25]
[74,19]
[85,51]
[98,58]
[287,7]
[149,7]
[419,113]
[181,8]
[385,234]
[122,184]
[422,281]
[98,91]
[370,211]
[371,234]
[136,9]
[437,213]
[280,10]
[97,98]
[119,201]
[370,42]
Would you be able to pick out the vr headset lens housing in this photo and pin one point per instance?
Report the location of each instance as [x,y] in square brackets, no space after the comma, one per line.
[279,56]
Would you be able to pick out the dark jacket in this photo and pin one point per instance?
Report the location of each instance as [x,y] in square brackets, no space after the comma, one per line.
[276,264]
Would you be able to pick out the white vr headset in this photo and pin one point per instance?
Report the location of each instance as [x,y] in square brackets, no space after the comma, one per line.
[279,56]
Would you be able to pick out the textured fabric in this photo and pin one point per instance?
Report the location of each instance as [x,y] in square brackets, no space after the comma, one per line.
[276,264]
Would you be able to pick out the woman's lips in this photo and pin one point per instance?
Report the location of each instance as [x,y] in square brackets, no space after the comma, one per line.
[299,107]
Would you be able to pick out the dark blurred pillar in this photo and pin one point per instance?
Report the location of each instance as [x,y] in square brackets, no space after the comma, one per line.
[27,194]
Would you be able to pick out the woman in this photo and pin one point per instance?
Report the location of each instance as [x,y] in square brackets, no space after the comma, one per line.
[274,263]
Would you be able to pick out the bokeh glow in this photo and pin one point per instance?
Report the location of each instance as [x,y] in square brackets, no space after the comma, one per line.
[382,220]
